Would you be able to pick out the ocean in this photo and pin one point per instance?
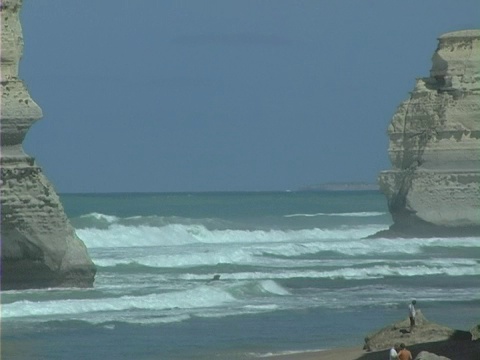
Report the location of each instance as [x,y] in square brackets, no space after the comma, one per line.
[296,273]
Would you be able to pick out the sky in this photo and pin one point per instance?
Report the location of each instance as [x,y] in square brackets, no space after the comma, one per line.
[223,95]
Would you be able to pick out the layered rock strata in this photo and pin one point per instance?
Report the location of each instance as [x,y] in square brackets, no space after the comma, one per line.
[39,247]
[433,187]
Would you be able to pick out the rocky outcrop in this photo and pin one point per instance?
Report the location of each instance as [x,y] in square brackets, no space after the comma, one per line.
[433,186]
[39,246]
[475,331]
[427,341]
[424,332]
[425,355]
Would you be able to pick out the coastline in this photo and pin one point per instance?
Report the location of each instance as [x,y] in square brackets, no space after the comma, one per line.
[344,353]
[452,349]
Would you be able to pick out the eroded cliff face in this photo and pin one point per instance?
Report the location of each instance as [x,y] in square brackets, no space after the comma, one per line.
[434,183]
[39,247]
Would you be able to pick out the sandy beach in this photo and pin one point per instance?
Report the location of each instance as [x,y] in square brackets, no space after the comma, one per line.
[332,354]
[453,349]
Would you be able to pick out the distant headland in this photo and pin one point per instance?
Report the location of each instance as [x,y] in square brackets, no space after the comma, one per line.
[341,186]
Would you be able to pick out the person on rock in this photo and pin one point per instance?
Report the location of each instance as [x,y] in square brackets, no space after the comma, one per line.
[404,353]
[411,314]
[393,355]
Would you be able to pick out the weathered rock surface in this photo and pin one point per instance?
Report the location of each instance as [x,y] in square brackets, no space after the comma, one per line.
[475,331]
[433,187]
[424,332]
[425,355]
[39,246]
[428,341]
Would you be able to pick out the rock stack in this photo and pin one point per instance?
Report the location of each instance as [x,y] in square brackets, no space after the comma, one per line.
[433,187]
[39,247]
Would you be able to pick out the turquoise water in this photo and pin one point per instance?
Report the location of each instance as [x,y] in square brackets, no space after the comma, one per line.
[296,273]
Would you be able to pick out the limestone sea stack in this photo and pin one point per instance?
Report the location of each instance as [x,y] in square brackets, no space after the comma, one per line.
[433,188]
[39,247]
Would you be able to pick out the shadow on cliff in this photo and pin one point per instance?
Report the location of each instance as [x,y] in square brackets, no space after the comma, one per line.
[421,229]
[416,135]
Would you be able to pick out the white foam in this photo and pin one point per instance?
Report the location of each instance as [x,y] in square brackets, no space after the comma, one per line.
[400,268]
[285,353]
[272,287]
[266,307]
[203,296]
[180,259]
[175,234]
[346,214]
[102,217]
[133,236]
[281,254]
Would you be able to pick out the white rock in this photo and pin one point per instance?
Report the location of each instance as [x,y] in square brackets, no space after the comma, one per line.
[39,246]
[435,142]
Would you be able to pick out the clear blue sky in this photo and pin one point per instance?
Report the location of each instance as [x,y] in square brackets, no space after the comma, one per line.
[202,95]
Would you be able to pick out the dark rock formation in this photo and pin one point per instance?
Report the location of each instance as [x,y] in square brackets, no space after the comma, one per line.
[425,355]
[39,246]
[427,341]
[433,186]
[424,331]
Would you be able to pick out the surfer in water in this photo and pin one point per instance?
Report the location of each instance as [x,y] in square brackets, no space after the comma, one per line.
[216,277]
